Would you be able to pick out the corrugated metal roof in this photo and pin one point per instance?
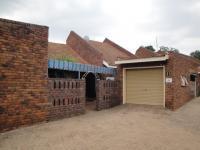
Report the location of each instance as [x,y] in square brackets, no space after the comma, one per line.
[70,66]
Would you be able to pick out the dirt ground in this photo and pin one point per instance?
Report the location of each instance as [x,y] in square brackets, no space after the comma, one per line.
[126,127]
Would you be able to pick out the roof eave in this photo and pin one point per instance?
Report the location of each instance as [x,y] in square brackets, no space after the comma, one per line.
[107,65]
[142,60]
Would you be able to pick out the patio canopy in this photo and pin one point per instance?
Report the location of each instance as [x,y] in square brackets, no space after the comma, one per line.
[70,66]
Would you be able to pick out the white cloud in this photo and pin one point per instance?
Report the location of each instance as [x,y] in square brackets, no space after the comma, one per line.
[127,22]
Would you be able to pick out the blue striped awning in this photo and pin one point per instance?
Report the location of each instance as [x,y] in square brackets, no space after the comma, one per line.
[70,66]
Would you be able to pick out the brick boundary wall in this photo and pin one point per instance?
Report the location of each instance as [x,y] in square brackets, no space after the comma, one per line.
[107,94]
[67,98]
[23,74]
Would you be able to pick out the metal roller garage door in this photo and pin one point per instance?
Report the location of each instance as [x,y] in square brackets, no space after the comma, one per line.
[145,86]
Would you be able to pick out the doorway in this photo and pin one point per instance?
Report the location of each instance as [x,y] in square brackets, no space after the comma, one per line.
[90,80]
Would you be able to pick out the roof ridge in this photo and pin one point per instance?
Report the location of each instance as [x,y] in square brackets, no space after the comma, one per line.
[95,41]
[153,52]
[79,44]
[138,51]
[77,36]
[57,43]
[187,56]
[106,40]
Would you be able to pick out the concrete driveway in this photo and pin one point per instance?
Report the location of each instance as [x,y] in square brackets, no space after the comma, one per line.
[126,127]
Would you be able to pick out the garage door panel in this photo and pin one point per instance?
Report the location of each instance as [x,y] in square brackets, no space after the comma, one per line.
[145,86]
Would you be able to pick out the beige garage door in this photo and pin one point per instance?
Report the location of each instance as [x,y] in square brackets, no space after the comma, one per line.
[145,86]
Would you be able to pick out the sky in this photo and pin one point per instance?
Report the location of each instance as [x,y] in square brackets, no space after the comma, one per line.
[129,23]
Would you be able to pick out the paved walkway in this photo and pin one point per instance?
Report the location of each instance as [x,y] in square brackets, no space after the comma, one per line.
[126,127]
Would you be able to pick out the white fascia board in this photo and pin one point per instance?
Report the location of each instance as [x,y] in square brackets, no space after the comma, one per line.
[141,60]
[107,65]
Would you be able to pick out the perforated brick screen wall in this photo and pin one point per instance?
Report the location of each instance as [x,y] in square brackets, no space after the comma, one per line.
[107,93]
[67,98]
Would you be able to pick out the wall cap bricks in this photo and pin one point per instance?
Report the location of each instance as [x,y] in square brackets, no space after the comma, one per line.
[21,23]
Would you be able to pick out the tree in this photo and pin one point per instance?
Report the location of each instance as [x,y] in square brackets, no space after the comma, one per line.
[195,54]
[150,47]
[168,49]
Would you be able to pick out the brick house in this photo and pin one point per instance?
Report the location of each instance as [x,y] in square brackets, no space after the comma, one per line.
[80,50]
[87,52]
[42,81]
[167,79]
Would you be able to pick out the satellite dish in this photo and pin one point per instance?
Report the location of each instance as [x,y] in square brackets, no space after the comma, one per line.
[86,38]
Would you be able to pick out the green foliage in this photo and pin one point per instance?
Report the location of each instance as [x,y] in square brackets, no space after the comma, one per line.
[195,54]
[168,49]
[67,59]
[150,47]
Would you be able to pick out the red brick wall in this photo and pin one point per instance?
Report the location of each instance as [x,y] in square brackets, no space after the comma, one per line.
[177,65]
[107,94]
[169,87]
[182,66]
[67,97]
[88,53]
[119,77]
[23,74]
[198,85]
